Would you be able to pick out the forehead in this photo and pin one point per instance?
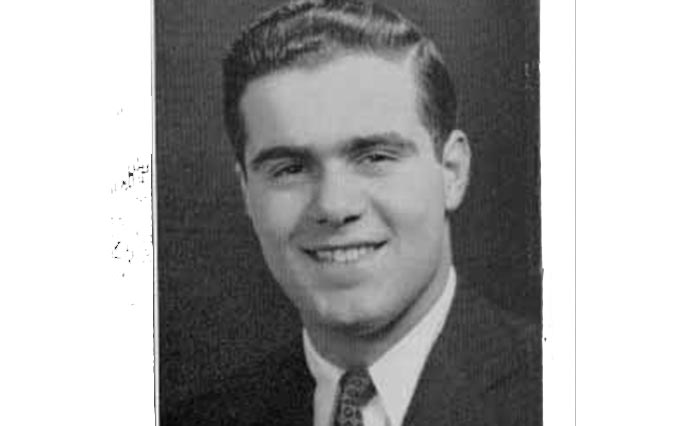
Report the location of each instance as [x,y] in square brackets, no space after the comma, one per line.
[347,97]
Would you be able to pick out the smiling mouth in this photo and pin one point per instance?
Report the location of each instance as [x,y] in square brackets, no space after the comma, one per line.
[344,254]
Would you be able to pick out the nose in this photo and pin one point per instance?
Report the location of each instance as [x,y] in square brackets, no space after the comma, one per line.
[338,200]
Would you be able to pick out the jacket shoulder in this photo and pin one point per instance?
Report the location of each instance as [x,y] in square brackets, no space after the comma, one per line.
[507,366]
[485,368]
[271,391]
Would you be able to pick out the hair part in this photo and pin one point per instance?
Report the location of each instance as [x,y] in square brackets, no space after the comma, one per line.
[309,33]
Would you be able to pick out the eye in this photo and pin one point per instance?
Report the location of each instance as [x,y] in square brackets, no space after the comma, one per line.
[287,170]
[376,157]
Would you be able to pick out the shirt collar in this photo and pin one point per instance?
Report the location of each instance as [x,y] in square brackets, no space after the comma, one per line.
[327,376]
[322,370]
[396,373]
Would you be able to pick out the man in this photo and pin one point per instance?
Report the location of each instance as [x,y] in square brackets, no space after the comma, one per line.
[343,117]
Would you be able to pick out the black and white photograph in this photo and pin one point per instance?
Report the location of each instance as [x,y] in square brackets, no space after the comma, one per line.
[348,198]
[349,212]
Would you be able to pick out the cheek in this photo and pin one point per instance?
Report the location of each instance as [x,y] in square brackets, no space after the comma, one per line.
[414,198]
[275,214]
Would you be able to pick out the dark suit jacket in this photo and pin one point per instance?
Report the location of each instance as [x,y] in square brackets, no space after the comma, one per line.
[484,369]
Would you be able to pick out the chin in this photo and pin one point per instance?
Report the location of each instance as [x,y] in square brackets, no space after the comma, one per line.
[364,327]
[365,323]
[360,309]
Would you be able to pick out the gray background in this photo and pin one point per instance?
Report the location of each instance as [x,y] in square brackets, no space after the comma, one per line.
[218,306]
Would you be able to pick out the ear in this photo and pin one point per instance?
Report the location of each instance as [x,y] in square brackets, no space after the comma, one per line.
[456,161]
[242,181]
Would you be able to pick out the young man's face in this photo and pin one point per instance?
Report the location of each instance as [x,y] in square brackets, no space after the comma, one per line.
[345,192]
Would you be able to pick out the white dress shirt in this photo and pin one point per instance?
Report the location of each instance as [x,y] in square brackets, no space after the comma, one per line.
[395,374]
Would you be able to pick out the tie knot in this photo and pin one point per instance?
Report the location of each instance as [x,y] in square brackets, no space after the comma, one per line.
[356,387]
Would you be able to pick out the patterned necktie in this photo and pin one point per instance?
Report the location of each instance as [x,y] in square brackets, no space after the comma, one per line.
[356,390]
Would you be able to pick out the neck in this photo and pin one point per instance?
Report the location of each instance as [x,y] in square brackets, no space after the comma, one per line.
[348,348]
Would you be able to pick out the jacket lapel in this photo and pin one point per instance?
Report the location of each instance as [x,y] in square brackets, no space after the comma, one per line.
[484,369]
[296,393]
[278,392]
[445,394]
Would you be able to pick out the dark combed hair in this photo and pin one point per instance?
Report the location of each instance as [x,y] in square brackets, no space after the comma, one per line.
[310,32]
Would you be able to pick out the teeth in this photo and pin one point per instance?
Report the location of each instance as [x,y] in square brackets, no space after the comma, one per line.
[343,255]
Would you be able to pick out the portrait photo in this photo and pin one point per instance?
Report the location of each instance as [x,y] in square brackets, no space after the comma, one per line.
[347,219]
[350,212]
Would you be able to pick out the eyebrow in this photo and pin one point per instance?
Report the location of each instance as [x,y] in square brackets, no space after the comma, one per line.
[393,140]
